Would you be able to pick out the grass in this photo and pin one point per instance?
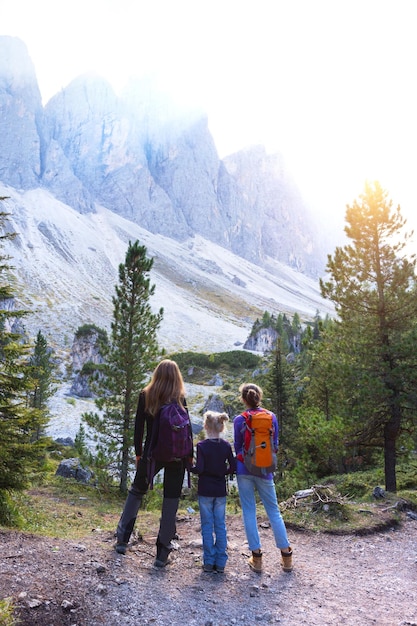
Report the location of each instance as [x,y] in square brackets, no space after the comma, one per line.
[343,519]
[66,509]
[63,508]
[331,510]
[6,613]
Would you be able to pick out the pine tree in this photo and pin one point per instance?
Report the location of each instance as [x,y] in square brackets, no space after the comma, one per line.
[41,373]
[129,356]
[19,455]
[278,394]
[373,285]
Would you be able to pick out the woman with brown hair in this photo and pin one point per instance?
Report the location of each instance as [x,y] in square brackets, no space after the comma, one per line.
[249,484]
[166,387]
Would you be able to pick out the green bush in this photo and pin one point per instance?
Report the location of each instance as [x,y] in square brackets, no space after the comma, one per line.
[89,368]
[287,484]
[407,476]
[234,360]
[359,484]
[410,497]
[88,329]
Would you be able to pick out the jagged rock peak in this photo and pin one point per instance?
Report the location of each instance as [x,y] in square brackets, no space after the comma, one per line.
[20,116]
[16,68]
[155,166]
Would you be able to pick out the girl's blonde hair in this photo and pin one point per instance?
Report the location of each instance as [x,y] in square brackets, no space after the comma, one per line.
[251,395]
[166,385]
[214,422]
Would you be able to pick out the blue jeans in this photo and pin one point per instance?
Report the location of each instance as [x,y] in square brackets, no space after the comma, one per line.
[213,530]
[247,486]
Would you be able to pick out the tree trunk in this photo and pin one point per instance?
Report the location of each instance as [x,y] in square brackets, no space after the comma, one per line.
[124,472]
[391,431]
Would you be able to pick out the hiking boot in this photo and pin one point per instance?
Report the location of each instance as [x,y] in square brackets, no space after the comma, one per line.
[219,570]
[208,567]
[286,561]
[255,561]
[162,556]
[121,548]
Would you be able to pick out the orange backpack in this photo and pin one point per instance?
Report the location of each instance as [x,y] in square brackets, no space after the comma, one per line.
[259,454]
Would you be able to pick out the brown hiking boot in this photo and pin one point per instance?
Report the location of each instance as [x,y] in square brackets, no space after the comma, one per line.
[255,561]
[286,561]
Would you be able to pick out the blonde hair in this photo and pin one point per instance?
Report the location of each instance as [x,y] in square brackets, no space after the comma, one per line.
[251,395]
[214,422]
[166,385]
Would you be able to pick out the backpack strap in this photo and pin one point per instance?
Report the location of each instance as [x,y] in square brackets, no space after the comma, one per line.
[151,472]
[245,426]
[154,438]
[248,416]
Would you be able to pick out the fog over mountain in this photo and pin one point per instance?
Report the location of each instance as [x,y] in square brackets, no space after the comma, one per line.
[90,172]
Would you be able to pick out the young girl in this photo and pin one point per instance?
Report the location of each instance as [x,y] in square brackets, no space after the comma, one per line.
[215,460]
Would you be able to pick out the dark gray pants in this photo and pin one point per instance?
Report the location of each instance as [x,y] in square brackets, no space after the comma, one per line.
[172,487]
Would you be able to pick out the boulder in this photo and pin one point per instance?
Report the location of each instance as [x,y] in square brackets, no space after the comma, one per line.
[72,468]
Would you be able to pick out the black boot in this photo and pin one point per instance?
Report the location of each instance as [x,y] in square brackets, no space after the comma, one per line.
[127,520]
[167,529]
[162,554]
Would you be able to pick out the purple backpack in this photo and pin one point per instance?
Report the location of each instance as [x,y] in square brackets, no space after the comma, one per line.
[172,438]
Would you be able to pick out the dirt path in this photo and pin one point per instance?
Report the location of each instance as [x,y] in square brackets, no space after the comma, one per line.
[337,580]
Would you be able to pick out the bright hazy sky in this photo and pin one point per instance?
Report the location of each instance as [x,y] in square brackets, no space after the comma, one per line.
[328,83]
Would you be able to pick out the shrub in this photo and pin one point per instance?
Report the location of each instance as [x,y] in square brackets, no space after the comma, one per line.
[234,360]
[89,368]
[88,329]
[357,484]
[407,476]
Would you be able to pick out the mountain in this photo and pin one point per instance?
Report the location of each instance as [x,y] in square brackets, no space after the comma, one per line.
[91,171]
[66,267]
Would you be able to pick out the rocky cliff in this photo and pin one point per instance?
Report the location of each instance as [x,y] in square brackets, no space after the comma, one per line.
[264,340]
[85,350]
[150,163]
[90,172]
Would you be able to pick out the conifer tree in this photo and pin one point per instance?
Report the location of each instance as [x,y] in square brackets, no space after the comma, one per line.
[129,356]
[41,372]
[278,393]
[373,285]
[19,455]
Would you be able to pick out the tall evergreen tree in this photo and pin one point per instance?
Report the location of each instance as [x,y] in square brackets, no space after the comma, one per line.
[278,392]
[19,455]
[129,356]
[373,285]
[41,372]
